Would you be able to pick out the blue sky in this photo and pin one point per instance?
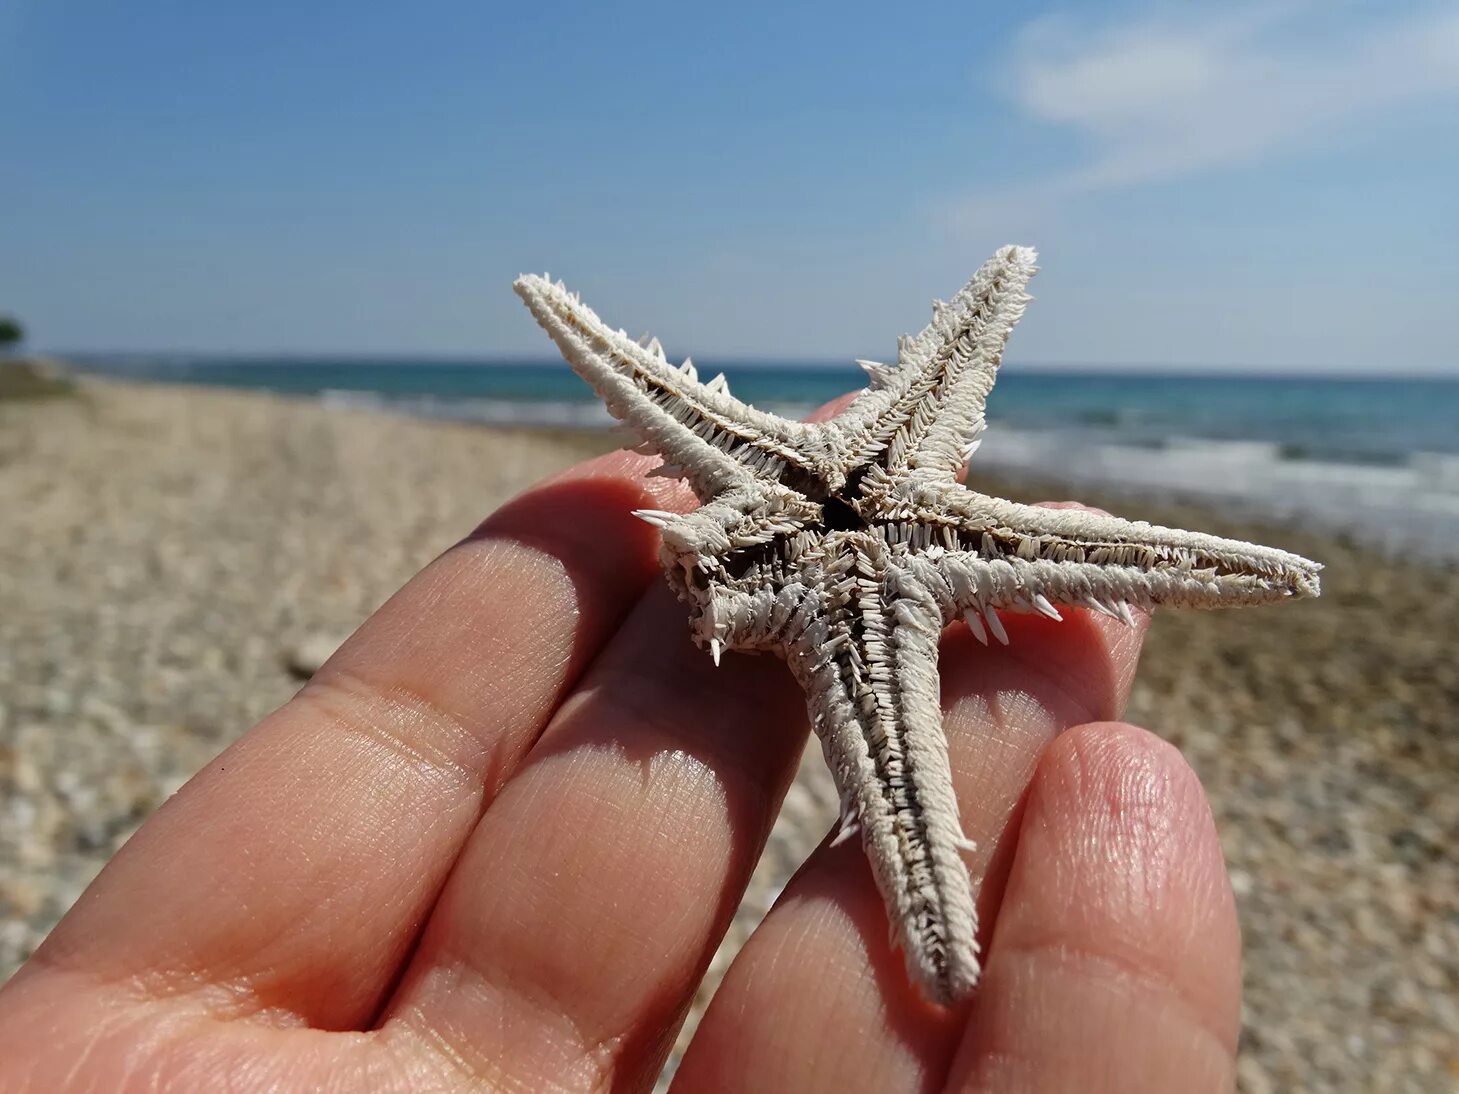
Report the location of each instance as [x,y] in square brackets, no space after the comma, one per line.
[1272,186]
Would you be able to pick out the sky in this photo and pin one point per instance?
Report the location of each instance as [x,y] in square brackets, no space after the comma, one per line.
[1271,187]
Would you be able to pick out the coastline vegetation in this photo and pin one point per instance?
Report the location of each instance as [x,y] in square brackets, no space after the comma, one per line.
[24,377]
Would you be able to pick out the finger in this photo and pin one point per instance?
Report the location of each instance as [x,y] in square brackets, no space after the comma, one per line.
[587,903]
[1116,963]
[636,825]
[298,866]
[820,970]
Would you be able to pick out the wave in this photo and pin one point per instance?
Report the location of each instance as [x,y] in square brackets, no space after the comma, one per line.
[1378,461]
[586,413]
[1406,504]
[1410,506]
[547,413]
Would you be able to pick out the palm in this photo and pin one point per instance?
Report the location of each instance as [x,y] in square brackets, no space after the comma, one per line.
[496,840]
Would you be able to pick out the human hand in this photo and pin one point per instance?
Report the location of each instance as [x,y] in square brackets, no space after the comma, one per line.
[496,839]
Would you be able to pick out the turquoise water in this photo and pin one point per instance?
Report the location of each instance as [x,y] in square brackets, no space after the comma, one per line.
[1375,421]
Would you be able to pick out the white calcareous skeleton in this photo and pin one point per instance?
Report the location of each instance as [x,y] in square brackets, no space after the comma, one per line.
[846,546]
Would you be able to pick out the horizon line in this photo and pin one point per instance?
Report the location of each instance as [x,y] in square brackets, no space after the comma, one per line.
[375,359]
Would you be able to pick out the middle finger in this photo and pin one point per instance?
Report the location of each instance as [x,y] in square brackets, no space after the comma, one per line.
[579,920]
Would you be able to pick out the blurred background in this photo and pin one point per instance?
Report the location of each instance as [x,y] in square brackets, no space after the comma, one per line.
[261,363]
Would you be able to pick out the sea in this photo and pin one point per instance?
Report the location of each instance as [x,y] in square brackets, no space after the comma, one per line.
[1376,457]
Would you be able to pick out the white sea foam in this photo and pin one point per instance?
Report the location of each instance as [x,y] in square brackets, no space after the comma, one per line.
[1411,507]
[545,413]
[555,414]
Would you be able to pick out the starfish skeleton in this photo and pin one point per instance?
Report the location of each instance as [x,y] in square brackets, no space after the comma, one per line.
[847,546]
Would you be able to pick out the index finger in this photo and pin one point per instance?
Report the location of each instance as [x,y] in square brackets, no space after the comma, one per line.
[299,865]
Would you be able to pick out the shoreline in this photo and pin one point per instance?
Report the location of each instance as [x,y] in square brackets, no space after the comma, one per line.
[1408,508]
[180,549]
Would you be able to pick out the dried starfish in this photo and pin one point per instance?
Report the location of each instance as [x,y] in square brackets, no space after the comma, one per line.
[846,546]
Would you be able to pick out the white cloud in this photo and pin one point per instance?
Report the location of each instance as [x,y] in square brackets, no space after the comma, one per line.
[1182,93]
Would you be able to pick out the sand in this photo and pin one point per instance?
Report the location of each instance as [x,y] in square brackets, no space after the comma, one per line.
[171,560]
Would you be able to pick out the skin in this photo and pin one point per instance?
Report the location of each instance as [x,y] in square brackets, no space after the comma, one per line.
[495,841]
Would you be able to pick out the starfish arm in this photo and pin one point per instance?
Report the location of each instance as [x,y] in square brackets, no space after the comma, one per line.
[713,439]
[869,670]
[927,412]
[1000,554]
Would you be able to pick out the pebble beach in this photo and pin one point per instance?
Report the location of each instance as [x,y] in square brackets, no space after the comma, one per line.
[174,561]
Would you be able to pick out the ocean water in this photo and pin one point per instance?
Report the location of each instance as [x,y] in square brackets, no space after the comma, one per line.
[1374,457]
[1345,420]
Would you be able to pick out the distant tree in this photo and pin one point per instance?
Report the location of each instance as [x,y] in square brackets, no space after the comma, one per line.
[11,332]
